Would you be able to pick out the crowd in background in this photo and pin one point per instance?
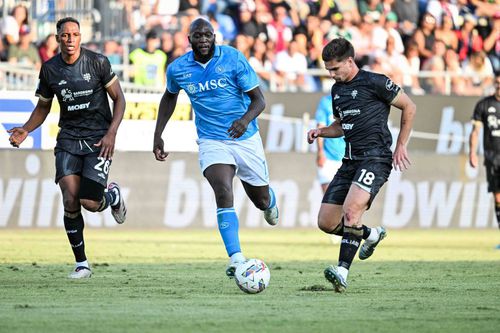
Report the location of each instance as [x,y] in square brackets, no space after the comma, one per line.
[283,39]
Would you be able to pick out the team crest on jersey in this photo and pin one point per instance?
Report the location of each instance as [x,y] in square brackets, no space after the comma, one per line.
[389,85]
[67,95]
[493,122]
[354,93]
[191,88]
[219,69]
[86,77]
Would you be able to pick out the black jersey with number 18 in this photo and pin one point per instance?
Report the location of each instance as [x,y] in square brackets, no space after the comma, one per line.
[363,105]
[81,91]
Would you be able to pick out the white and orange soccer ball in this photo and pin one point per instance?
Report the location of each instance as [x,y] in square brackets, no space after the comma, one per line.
[252,276]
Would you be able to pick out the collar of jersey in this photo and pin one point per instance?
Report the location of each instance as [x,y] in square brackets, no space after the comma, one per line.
[216,54]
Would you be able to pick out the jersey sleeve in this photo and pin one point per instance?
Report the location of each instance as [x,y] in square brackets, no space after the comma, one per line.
[43,90]
[246,77]
[385,88]
[172,85]
[107,74]
[478,111]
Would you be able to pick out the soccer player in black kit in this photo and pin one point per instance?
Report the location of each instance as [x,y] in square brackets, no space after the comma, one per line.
[82,81]
[361,103]
[487,115]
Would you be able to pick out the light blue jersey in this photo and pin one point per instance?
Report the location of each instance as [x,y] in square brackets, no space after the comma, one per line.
[216,90]
[334,147]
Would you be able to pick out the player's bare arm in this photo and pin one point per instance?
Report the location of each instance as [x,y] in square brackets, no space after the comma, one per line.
[107,143]
[37,117]
[333,131]
[257,105]
[473,141]
[401,160]
[165,111]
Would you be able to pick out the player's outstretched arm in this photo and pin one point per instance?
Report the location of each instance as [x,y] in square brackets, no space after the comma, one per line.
[256,106]
[165,111]
[37,117]
[473,139]
[401,160]
[107,143]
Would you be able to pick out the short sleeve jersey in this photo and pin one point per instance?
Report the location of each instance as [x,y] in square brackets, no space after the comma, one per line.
[217,90]
[334,148]
[363,105]
[487,111]
[80,89]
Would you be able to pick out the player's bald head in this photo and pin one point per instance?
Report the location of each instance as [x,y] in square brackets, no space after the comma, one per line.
[200,23]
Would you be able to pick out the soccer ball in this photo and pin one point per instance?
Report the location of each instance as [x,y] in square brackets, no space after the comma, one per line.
[252,276]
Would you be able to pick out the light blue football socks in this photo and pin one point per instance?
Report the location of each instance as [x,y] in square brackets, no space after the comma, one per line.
[228,228]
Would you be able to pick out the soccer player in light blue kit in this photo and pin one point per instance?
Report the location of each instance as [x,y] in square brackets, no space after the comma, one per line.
[226,99]
[330,151]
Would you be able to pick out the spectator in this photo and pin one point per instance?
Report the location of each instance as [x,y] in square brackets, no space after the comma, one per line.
[372,8]
[425,37]
[491,43]
[479,74]
[278,31]
[411,69]
[243,43]
[435,84]
[248,24]
[382,33]
[291,65]
[349,7]
[446,32]
[262,66]
[364,43]
[408,14]
[149,63]
[469,40]
[112,50]
[48,48]
[396,60]
[12,24]
[453,68]
[442,8]
[24,53]
[167,45]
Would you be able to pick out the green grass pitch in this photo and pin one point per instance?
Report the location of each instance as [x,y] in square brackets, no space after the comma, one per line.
[174,281]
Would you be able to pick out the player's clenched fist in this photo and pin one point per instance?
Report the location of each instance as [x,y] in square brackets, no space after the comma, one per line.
[313,134]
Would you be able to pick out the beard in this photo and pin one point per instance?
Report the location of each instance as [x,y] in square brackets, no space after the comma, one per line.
[203,58]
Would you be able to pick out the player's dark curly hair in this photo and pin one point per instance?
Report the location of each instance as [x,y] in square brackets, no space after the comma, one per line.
[62,21]
[338,49]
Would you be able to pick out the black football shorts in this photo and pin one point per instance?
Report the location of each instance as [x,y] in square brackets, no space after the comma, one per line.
[90,166]
[369,174]
[493,177]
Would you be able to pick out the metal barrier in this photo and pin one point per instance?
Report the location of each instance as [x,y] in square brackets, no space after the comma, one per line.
[14,77]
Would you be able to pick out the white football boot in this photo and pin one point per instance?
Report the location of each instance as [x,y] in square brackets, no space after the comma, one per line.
[81,272]
[119,211]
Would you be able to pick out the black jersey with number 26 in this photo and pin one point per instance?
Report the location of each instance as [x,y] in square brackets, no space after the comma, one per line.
[487,111]
[81,91]
[363,106]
